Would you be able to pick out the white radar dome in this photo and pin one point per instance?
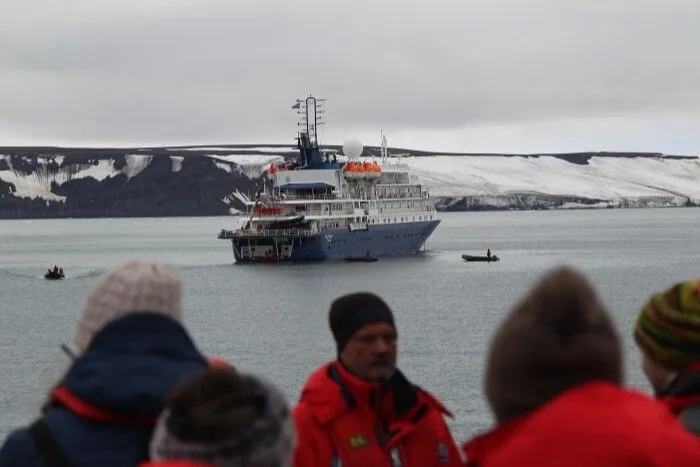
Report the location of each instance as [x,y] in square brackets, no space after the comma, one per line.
[352,148]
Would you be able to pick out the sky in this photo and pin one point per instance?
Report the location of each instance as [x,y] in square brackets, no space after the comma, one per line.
[437,75]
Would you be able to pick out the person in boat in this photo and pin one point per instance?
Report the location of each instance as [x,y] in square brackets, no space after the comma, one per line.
[131,351]
[554,381]
[359,409]
[60,271]
[488,253]
[55,269]
[667,335]
[220,417]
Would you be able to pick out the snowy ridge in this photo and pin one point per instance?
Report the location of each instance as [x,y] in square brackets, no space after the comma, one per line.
[603,178]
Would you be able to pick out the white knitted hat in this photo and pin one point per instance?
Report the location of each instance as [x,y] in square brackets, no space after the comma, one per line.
[133,286]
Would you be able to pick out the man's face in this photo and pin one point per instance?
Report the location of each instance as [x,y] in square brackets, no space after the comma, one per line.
[371,352]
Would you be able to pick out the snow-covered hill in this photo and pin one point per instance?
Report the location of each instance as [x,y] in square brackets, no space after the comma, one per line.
[609,181]
[83,177]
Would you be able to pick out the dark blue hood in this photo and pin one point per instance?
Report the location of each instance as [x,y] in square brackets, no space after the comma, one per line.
[133,363]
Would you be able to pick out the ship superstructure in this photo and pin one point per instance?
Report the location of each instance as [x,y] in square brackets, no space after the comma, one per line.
[325,206]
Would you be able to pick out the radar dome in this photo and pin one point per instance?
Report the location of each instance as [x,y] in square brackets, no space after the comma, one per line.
[352,148]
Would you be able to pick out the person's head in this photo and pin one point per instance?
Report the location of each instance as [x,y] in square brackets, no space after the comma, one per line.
[226,419]
[134,286]
[557,337]
[668,332]
[365,335]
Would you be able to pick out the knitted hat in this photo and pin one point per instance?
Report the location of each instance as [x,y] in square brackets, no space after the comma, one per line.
[230,420]
[557,337]
[133,286]
[668,327]
[351,312]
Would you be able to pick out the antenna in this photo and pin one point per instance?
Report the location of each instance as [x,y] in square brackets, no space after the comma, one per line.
[384,146]
[310,112]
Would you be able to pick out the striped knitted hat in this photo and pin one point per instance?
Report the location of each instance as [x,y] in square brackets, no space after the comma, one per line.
[668,327]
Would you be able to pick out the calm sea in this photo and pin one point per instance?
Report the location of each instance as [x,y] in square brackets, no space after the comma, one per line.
[272,318]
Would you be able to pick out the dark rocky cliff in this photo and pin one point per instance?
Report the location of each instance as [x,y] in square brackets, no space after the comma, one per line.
[199,187]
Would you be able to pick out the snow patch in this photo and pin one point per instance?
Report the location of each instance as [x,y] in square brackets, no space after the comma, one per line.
[135,163]
[247,159]
[177,163]
[103,169]
[35,185]
[224,167]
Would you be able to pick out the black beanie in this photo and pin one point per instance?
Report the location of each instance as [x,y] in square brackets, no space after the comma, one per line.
[351,312]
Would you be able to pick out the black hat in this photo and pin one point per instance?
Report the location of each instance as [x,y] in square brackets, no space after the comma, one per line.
[558,336]
[353,311]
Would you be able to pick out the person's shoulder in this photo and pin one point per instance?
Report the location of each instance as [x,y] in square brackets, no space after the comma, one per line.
[19,449]
[433,402]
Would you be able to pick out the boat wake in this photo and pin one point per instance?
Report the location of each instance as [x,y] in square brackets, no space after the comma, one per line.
[33,274]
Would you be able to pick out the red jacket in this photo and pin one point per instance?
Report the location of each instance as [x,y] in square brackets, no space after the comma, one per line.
[341,417]
[593,424]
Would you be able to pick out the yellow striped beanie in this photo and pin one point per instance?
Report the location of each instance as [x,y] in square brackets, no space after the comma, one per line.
[668,327]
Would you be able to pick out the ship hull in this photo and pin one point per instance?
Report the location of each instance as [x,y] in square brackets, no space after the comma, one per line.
[400,239]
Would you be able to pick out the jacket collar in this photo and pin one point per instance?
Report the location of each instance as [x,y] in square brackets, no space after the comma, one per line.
[685,383]
[684,390]
[133,363]
[332,390]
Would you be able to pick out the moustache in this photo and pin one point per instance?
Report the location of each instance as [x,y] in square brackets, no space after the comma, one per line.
[382,360]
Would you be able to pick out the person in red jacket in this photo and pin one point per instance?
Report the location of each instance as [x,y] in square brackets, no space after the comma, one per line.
[553,382]
[360,410]
[668,333]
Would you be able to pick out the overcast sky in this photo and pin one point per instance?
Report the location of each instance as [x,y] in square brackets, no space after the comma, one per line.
[462,75]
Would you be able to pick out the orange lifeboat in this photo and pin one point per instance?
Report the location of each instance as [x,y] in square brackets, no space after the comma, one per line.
[354,170]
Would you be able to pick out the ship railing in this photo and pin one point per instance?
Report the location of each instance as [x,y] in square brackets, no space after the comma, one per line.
[275,233]
[290,196]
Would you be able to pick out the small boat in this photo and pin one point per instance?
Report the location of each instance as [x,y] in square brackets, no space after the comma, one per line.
[360,259]
[53,275]
[480,258]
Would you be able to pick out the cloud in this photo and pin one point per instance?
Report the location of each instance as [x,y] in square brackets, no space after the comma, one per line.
[219,71]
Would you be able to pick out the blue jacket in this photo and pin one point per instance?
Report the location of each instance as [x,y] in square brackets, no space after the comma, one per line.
[129,368]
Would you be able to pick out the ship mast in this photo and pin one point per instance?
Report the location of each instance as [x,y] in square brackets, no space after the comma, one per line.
[310,111]
[384,146]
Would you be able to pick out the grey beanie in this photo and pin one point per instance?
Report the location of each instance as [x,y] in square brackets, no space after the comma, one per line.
[266,439]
